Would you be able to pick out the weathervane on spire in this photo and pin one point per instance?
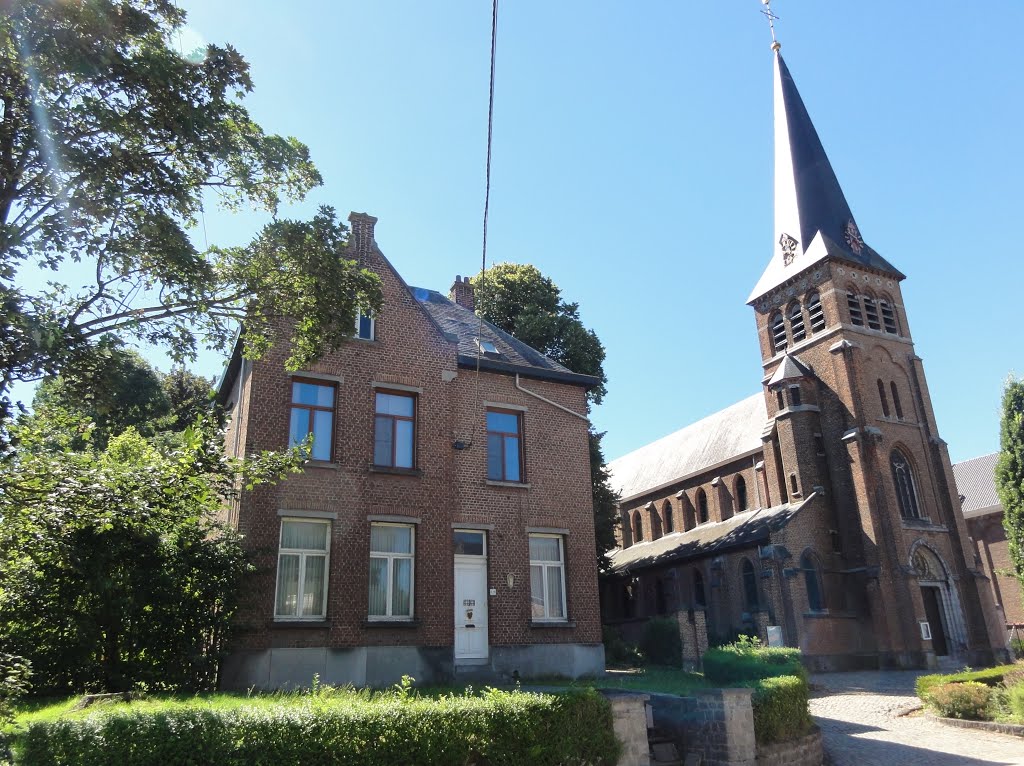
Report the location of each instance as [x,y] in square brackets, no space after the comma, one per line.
[772,18]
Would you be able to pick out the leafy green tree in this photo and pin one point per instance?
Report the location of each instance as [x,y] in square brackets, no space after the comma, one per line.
[114,570]
[1010,472]
[520,300]
[111,140]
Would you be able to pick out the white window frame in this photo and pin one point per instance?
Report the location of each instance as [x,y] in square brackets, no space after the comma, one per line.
[303,554]
[390,558]
[373,325]
[545,566]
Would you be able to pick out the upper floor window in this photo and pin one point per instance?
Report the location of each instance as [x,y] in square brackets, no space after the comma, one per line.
[547,577]
[871,312]
[795,399]
[504,445]
[365,326]
[655,523]
[313,413]
[394,430]
[702,506]
[853,303]
[796,322]
[888,317]
[667,512]
[896,399]
[302,569]
[812,581]
[741,493]
[778,332]
[699,598]
[391,571]
[816,313]
[750,598]
[882,398]
[906,489]
[638,527]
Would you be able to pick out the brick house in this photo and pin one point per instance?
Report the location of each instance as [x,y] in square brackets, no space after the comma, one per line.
[444,525]
[823,505]
[976,482]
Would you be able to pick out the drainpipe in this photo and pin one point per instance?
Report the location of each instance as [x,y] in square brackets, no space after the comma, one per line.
[548,401]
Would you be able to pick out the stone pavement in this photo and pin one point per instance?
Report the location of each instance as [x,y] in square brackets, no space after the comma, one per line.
[862,721]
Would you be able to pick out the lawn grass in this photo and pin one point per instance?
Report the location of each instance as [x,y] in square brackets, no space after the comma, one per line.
[656,679]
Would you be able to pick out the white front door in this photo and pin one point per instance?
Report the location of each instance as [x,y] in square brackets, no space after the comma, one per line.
[470,596]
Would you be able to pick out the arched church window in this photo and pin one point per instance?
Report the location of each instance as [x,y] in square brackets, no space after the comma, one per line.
[816,313]
[906,490]
[655,523]
[699,599]
[871,312]
[812,580]
[853,303]
[778,330]
[741,493]
[702,506]
[796,322]
[888,317]
[638,527]
[750,600]
[882,397]
[667,513]
[896,399]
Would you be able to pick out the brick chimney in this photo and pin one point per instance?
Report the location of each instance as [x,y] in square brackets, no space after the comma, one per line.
[461,292]
[361,239]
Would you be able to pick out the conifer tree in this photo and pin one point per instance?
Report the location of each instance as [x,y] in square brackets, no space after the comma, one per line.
[1010,472]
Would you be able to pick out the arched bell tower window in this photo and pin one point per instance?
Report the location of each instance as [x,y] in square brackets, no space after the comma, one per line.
[796,322]
[882,398]
[812,580]
[667,513]
[750,599]
[702,506]
[853,303]
[871,312]
[896,399]
[741,494]
[888,317]
[906,488]
[778,331]
[816,313]
[638,527]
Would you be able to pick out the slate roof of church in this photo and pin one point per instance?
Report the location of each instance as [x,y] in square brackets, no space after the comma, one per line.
[464,326]
[711,538]
[976,481]
[718,438]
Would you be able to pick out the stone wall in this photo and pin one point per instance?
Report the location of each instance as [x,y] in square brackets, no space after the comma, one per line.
[693,635]
[806,751]
[629,722]
[717,724]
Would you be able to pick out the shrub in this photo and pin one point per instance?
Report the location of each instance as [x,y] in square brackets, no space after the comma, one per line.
[14,674]
[661,642]
[1015,702]
[780,708]
[1014,677]
[351,728]
[988,676]
[968,699]
[616,650]
[749,660]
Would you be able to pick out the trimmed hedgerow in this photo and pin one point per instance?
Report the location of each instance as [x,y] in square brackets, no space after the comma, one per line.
[988,676]
[497,728]
[780,709]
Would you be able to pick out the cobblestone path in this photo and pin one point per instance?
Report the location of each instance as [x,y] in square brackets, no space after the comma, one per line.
[862,720]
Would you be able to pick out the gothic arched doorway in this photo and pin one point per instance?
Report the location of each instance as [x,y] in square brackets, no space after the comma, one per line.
[941,605]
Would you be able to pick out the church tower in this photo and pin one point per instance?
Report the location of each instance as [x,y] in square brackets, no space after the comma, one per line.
[851,421]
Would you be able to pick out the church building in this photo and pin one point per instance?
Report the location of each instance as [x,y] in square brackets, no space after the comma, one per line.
[822,511]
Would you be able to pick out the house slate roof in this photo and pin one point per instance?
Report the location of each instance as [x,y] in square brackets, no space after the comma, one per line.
[740,531]
[976,481]
[727,434]
[513,356]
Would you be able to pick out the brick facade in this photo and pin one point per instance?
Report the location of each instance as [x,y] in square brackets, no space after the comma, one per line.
[447,488]
[993,553]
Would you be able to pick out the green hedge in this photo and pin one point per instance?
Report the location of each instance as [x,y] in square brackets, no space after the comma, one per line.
[988,676]
[497,728]
[966,699]
[746,662]
[661,643]
[780,709]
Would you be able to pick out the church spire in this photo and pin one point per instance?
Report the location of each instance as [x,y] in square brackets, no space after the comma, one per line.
[812,217]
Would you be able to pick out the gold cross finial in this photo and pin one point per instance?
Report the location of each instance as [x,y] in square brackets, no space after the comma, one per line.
[772,18]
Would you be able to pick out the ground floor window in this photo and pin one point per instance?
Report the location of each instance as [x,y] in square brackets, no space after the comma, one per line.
[302,569]
[547,577]
[391,571]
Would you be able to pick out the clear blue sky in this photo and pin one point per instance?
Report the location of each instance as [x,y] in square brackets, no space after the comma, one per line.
[633,159]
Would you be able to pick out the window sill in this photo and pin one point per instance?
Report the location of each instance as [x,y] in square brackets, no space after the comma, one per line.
[401,624]
[927,524]
[512,484]
[553,624]
[320,464]
[387,469]
[289,624]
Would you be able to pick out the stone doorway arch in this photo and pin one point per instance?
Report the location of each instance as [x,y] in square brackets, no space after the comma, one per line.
[941,600]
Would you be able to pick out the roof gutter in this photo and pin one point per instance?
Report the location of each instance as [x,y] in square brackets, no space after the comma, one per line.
[548,401]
